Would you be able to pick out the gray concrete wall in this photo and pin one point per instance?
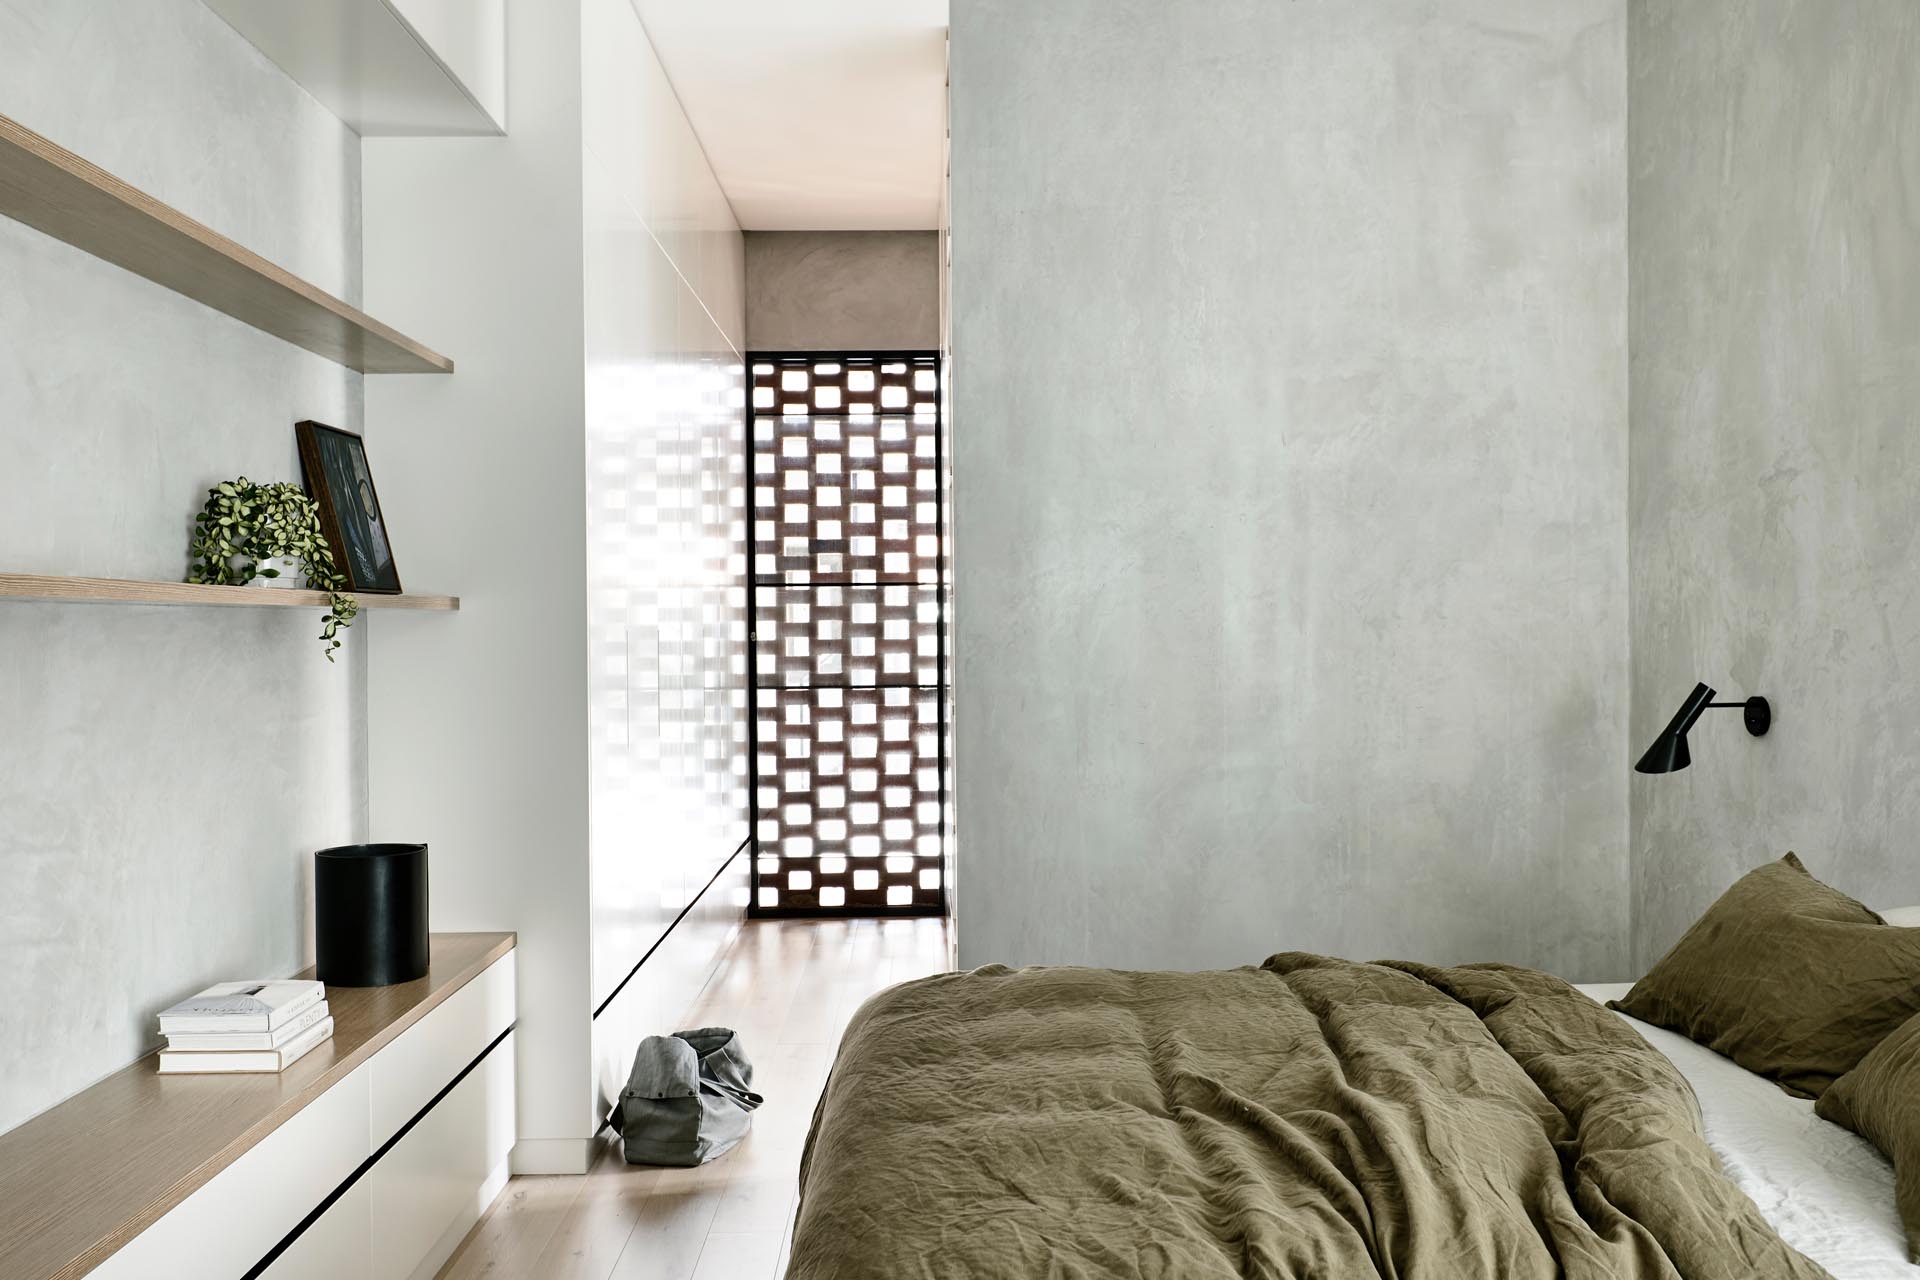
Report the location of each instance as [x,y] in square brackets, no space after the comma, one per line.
[1290,382]
[165,773]
[843,290]
[1775,476]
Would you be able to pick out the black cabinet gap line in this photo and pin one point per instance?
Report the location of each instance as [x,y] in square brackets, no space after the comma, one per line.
[287,1241]
[668,931]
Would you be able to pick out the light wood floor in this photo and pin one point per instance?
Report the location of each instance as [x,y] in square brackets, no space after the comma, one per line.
[788,987]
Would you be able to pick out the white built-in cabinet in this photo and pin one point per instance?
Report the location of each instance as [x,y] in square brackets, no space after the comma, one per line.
[396,1218]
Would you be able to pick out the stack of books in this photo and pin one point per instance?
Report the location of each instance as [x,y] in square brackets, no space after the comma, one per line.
[244,1026]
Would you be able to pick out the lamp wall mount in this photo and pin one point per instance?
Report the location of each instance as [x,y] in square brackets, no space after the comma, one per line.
[1758,713]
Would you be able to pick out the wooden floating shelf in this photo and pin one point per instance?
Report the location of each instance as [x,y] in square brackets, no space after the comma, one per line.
[59,590]
[53,190]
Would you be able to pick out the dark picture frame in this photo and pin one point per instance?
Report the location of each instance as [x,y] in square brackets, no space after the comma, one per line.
[334,465]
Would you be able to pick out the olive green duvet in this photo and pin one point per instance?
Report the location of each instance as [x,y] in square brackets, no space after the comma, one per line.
[1308,1118]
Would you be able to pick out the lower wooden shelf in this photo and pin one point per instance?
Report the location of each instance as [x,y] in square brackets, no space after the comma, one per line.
[65,590]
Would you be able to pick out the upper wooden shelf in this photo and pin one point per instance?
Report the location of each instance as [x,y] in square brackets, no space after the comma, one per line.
[37,586]
[53,190]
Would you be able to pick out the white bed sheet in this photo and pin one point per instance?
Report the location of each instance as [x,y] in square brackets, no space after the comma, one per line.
[1828,1192]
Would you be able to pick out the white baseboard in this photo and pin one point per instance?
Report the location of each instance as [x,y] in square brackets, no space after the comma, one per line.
[552,1155]
[456,1231]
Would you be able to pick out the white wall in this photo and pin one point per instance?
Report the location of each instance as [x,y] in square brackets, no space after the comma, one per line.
[1291,595]
[584,272]
[165,773]
[478,729]
[666,545]
[1776,469]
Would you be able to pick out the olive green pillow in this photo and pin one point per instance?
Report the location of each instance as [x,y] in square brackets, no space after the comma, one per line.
[1791,979]
[1880,1101]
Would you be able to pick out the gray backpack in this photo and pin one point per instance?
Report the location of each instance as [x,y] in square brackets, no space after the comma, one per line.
[687,1100]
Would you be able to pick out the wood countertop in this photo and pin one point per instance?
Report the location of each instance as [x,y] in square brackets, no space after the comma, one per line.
[80,1180]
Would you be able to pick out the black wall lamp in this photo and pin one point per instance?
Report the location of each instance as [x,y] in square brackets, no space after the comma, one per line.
[1669,751]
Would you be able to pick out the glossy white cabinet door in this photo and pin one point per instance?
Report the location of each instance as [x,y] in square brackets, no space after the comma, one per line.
[420,1062]
[432,1180]
[230,1223]
[337,1245]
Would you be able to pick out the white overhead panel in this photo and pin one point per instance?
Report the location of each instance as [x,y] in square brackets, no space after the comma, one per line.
[389,68]
[816,115]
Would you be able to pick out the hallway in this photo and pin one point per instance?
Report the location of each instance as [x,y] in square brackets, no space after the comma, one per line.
[788,987]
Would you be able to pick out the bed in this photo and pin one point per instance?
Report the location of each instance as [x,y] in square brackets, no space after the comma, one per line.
[1828,1192]
[1315,1117]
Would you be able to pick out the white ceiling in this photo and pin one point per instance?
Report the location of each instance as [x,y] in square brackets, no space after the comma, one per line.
[817,115]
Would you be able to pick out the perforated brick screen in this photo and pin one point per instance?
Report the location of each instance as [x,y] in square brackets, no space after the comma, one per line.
[848,539]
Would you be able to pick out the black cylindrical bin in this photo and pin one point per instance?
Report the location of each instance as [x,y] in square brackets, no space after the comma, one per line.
[370,914]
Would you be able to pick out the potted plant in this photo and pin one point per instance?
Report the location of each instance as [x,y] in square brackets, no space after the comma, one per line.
[266,535]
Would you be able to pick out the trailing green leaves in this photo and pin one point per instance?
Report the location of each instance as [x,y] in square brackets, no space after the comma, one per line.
[244,523]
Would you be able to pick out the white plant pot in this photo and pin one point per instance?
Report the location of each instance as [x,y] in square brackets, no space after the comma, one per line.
[291,575]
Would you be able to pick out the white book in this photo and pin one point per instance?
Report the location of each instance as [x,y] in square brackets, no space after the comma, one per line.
[221,1041]
[242,1006]
[177,1062]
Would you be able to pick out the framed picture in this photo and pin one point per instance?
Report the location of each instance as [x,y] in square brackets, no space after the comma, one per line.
[334,463]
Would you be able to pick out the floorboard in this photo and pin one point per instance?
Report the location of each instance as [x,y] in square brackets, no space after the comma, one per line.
[788,987]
